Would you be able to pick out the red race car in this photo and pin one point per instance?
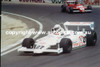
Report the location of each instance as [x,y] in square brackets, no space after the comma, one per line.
[75,6]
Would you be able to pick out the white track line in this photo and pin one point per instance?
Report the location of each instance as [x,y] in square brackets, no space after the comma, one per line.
[40,30]
[18,42]
[10,51]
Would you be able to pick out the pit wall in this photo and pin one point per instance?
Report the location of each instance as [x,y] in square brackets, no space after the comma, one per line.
[87,2]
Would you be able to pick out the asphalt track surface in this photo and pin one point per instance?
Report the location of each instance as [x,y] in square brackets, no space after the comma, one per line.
[49,15]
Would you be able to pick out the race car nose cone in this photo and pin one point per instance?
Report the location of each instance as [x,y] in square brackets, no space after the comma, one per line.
[37,51]
[82,10]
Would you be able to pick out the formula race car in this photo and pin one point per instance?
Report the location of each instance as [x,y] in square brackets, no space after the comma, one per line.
[71,6]
[63,38]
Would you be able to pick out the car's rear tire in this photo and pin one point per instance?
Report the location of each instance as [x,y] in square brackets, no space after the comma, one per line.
[66,44]
[91,38]
[28,43]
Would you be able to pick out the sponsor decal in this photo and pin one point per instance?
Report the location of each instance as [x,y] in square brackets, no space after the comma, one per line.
[81,40]
[80,43]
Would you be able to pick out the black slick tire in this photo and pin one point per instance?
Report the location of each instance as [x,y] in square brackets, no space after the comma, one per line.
[63,9]
[69,9]
[28,43]
[66,44]
[89,8]
[91,38]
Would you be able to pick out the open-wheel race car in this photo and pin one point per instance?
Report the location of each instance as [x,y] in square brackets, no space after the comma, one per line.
[63,38]
[71,6]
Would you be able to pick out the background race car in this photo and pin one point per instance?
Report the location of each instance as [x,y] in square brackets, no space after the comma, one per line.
[71,6]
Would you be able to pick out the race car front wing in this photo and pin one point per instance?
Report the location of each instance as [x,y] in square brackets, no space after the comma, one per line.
[80,11]
[24,49]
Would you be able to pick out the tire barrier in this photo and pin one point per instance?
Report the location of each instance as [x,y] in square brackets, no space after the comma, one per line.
[57,1]
[6,0]
[90,2]
[37,1]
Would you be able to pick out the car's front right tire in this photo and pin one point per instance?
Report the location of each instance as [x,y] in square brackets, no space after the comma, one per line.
[66,44]
[69,9]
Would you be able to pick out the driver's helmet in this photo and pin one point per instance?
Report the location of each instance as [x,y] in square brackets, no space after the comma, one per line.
[56,27]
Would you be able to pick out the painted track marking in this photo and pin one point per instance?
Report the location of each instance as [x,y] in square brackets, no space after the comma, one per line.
[40,30]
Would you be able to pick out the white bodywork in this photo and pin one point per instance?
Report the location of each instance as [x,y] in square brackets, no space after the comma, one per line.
[44,44]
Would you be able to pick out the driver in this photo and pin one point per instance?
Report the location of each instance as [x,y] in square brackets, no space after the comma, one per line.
[57,29]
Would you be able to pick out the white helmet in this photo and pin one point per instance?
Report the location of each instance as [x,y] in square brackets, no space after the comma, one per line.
[57,26]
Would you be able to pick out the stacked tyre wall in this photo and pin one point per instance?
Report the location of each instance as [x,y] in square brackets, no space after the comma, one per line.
[36,1]
[40,1]
[91,2]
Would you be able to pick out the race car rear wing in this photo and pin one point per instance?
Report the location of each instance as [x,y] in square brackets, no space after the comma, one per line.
[91,24]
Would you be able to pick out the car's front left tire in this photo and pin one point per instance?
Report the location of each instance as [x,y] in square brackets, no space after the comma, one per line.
[63,9]
[28,43]
[69,9]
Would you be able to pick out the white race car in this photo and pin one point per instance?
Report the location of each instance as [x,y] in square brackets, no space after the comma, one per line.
[63,38]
